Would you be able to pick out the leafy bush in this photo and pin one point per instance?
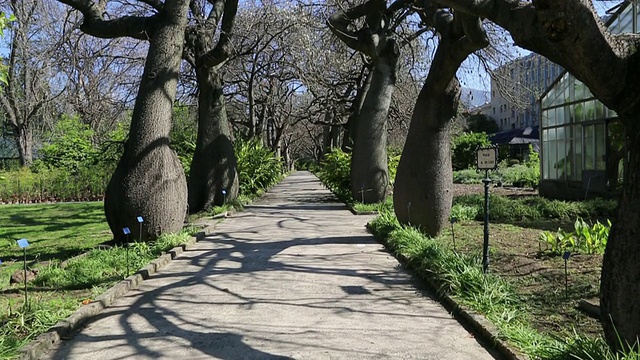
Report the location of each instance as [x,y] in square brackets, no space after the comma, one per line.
[465,212]
[463,149]
[468,176]
[258,168]
[335,172]
[526,174]
[71,147]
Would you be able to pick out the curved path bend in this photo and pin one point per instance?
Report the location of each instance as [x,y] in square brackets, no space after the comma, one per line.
[294,276]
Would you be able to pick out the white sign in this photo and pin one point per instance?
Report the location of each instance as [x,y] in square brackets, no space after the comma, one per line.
[487,158]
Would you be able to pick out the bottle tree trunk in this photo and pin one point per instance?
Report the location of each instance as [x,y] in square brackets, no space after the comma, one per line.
[349,136]
[213,179]
[423,187]
[620,285]
[149,180]
[369,169]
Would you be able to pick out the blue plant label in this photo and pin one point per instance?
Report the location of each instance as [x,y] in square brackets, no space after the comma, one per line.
[140,219]
[126,231]
[566,255]
[0,262]
[454,220]
[23,243]
[224,192]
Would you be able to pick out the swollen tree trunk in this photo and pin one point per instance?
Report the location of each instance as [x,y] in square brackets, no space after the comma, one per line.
[619,284]
[149,180]
[24,138]
[369,169]
[423,187]
[213,178]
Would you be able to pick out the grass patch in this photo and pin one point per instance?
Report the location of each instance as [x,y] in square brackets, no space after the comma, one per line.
[532,208]
[58,232]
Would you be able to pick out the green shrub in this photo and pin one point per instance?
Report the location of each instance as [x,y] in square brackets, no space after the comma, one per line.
[463,149]
[526,174]
[71,147]
[465,212]
[258,168]
[335,172]
[468,176]
[502,208]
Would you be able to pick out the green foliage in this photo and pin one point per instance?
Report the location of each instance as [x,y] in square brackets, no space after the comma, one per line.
[530,208]
[19,324]
[465,212]
[393,159]
[258,168]
[526,174]
[54,184]
[585,238]
[463,149]
[71,147]
[468,176]
[335,172]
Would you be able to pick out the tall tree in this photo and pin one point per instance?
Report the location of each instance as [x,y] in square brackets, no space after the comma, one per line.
[213,177]
[571,34]
[423,187]
[28,96]
[369,169]
[149,180]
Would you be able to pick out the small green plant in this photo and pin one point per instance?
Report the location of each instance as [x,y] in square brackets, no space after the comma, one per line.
[585,238]
[465,212]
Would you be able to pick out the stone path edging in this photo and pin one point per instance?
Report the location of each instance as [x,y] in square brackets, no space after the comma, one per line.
[64,329]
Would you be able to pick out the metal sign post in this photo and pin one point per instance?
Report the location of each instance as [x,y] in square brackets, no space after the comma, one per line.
[487,159]
[127,232]
[23,244]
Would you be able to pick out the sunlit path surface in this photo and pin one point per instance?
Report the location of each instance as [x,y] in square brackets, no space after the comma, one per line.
[295,276]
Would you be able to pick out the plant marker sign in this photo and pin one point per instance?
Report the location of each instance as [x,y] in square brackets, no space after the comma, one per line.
[23,244]
[126,232]
[487,158]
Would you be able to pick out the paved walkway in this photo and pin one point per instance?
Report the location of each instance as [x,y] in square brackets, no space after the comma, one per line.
[295,276]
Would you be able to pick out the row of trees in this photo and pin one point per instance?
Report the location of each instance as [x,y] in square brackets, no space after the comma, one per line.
[285,73]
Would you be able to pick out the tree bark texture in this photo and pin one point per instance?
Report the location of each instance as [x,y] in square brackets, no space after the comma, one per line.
[214,165]
[24,136]
[423,189]
[149,180]
[620,279]
[369,168]
[350,129]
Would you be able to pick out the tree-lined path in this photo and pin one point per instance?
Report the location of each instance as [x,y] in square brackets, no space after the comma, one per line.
[295,276]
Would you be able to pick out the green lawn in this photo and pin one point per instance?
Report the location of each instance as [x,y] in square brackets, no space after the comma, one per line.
[54,231]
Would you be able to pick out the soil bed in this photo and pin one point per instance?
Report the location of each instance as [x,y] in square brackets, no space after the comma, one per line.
[518,256]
